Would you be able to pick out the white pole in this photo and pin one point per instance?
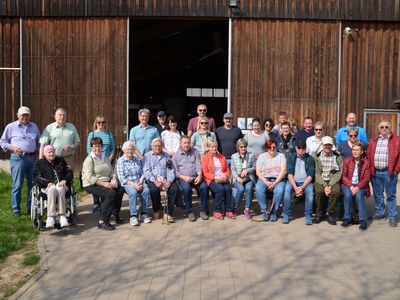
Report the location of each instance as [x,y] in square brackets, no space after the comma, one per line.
[228,109]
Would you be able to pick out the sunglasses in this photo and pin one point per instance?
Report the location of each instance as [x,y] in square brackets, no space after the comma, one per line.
[317,129]
[301,148]
[267,125]
[202,110]
[101,122]
[203,123]
[384,127]
[352,135]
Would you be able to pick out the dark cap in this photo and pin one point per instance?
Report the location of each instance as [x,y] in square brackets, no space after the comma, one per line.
[301,144]
[228,115]
[161,113]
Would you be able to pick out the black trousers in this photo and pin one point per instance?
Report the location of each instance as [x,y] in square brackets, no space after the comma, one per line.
[112,199]
[156,197]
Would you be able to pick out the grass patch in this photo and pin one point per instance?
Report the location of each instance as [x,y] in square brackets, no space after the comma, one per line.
[15,232]
[30,259]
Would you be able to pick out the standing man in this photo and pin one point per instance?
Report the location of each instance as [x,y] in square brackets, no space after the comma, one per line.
[187,164]
[328,172]
[62,135]
[384,157]
[159,173]
[283,117]
[227,137]
[21,137]
[300,173]
[193,123]
[161,118]
[307,131]
[143,134]
[351,122]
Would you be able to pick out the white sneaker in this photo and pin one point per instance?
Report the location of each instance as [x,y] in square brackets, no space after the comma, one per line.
[134,221]
[63,222]
[145,218]
[50,222]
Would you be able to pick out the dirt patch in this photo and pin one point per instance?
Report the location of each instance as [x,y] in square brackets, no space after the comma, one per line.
[13,273]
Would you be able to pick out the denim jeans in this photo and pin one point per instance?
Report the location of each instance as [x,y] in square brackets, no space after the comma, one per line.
[240,191]
[308,198]
[202,189]
[348,199]
[21,167]
[223,192]
[382,182]
[133,194]
[156,197]
[262,189]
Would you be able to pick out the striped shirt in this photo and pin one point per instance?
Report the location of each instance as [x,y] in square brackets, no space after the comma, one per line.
[106,137]
[381,156]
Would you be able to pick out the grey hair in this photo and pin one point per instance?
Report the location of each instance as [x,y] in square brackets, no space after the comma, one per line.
[60,109]
[128,144]
[320,123]
[157,140]
[144,111]
[241,142]
[352,130]
[384,121]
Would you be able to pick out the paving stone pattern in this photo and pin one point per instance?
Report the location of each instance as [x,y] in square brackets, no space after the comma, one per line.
[229,259]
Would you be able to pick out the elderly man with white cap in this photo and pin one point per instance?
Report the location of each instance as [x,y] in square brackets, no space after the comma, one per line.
[21,138]
[328,172]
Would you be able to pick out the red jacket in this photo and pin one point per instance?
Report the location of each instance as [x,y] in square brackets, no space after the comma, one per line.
[207,164]
[364,173]
[394,154]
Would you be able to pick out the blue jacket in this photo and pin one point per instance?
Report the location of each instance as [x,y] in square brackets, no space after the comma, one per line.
[342,135]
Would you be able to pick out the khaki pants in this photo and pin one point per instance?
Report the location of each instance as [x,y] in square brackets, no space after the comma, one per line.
[320,197]
[55,193]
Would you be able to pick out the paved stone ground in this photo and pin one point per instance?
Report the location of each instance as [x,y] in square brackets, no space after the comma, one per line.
[229,259]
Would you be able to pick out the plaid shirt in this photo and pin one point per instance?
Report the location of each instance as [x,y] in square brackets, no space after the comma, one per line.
[328,164]
[129,170]
[381,156]
[155,167]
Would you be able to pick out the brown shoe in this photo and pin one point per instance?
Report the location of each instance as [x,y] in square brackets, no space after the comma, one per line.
[168,218]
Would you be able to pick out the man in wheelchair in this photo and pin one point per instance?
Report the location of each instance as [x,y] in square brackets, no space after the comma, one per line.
[52,175]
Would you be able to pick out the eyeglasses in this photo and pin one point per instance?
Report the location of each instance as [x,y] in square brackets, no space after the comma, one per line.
[101,122]
[352,135]
[317,129]
[384,127]
[203,123]
[242,147]
[202,110]
[272,148]
[301,147]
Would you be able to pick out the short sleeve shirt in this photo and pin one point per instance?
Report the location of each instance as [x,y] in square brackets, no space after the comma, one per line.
[59,137]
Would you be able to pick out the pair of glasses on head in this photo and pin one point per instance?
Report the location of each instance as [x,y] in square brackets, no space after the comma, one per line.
[384,127]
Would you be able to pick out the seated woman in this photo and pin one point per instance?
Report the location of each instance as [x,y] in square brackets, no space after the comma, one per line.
[130,175]
[98,179]
[243,167]
[53,176]
[355,185]
[271,172]
[216,174]
[202,135]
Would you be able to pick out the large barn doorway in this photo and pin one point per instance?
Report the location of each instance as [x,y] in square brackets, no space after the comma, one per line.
[176,65]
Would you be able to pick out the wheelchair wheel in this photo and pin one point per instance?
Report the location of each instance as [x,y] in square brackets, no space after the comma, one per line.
[36,217]
[72,212]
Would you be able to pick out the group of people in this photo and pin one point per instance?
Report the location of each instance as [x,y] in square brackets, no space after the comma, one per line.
[274,160]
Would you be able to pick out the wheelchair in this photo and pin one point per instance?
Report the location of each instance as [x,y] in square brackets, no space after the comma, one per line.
[39,207]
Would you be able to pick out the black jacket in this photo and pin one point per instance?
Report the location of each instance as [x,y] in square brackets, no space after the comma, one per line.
[45,172]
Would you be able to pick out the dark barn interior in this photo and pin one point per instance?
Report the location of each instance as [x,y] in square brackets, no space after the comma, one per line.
[169,56]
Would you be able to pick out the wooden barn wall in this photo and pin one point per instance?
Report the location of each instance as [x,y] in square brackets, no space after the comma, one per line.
[9,79]
[378,10]
[285,65]
[370,76]
[80,65]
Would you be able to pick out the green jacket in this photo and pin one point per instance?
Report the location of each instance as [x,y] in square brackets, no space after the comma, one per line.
[335,175]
